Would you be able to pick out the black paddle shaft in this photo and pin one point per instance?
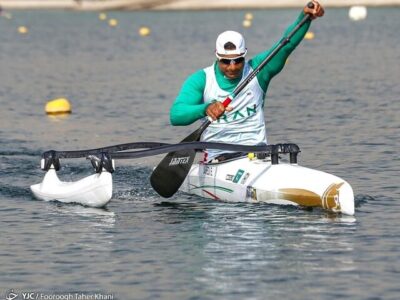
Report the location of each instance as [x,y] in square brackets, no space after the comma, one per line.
[170,173]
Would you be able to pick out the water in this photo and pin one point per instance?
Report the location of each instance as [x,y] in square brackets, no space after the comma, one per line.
[338,98]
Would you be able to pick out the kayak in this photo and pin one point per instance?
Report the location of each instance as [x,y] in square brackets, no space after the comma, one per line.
[263,176]
[94,190]
[258,180]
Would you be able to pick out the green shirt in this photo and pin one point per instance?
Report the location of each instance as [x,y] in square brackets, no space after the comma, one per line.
[189,106]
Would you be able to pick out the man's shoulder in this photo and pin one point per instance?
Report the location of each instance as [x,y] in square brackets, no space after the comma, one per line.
[199,73]
[198,77]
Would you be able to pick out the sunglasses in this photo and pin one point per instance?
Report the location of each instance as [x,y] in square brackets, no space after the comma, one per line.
[231,61]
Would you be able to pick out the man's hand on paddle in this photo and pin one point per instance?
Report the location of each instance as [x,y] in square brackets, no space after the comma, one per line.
[316,12]
[216,109]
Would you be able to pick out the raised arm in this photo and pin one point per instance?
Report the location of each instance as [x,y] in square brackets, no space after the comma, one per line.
[278,62]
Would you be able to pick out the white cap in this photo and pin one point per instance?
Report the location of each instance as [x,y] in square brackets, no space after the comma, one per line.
[235,38]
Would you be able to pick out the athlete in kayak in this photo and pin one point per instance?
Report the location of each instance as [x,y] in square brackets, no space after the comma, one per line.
[242,122]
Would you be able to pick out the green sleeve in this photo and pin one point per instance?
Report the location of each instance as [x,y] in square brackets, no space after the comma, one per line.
[189,106]
[278,61]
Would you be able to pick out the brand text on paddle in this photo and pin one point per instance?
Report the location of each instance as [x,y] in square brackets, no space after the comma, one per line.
[179,161]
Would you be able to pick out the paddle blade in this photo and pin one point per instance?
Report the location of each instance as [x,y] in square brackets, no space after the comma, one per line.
[171,172]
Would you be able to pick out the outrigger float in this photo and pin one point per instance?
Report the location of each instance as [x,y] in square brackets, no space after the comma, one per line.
[262,176]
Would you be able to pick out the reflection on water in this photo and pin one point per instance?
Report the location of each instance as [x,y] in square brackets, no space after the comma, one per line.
[270,247]
[102,215]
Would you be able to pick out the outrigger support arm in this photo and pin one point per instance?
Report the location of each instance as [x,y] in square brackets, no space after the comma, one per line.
[277,149]
[102,158]
[50,158]
[109,149]
[104,162]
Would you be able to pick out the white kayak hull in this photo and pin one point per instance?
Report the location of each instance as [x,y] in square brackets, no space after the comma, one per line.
[94,190]
[245,180]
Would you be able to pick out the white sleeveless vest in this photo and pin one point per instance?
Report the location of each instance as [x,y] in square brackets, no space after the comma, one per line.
[243,125]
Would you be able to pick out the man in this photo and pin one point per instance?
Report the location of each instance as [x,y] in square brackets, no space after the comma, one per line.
[242,122]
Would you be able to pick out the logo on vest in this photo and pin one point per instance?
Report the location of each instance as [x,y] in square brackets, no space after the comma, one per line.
[239,114]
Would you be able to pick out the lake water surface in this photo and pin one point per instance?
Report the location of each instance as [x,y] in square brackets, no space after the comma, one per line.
[338,98]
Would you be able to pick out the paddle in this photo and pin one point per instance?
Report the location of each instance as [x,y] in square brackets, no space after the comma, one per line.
[170,173]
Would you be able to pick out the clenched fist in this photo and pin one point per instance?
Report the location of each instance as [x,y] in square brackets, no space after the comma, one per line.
[315,12]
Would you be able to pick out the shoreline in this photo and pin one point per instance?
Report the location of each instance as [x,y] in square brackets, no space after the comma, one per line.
[103,5]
